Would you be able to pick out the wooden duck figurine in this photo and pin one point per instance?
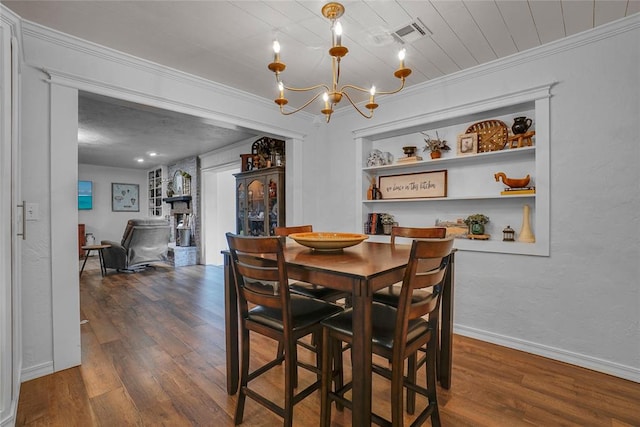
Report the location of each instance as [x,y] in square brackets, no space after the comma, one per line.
[512,182]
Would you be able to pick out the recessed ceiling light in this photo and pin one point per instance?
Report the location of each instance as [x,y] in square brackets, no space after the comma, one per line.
[153,154]
[140,160]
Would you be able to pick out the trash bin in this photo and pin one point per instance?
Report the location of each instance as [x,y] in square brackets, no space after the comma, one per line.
[184,237]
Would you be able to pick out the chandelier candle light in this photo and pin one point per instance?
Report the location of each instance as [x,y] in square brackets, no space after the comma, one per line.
[331,95]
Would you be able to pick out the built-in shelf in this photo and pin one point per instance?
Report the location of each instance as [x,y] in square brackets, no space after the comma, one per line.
[494,245]
[440,199]
[469,184]
[458,160]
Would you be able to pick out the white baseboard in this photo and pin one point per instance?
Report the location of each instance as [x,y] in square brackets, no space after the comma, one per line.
[627,372]
[36,371]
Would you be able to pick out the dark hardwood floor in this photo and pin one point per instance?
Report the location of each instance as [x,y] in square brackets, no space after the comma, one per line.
[153,354]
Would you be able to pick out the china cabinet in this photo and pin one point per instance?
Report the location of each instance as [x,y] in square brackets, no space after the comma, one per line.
[260,203]
[471,186]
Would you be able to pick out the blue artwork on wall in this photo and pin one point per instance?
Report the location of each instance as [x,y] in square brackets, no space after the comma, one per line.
[85,195]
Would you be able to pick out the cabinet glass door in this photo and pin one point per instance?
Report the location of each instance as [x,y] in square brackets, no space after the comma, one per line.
[241,210]
[256,208]
[273,205]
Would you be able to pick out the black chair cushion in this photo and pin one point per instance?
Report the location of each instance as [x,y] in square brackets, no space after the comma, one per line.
[391,295]
[314,291]
[304,312]
[384,320]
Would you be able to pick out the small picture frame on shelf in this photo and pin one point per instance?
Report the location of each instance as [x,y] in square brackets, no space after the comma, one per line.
[467,144]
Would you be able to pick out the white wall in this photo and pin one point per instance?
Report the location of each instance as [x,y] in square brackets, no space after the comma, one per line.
[54,61]
[581,304]
[101,220]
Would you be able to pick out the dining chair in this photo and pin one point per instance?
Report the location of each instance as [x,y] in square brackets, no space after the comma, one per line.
[397,334]
[309,289]
[390,294]
[306,289]
[276,314]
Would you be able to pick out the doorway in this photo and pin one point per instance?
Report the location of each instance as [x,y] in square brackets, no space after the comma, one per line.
[218,210]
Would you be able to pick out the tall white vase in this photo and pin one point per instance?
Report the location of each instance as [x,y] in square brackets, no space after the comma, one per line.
[526,235]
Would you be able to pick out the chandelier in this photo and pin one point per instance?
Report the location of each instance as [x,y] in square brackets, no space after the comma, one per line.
[333,94]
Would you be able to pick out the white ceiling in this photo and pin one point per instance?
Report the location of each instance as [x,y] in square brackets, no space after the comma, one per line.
[118,133]
[230,41]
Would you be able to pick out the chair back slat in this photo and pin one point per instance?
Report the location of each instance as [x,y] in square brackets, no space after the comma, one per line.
[258,279]
[418,233]
[285,231]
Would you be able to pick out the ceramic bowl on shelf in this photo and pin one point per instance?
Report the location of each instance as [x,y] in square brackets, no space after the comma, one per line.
[327,241]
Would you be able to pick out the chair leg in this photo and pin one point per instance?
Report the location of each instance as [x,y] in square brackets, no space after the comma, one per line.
[412,374]
[397,387]
[432,351]
[280,352]
[244,375]
[327,358]
[290,380]
[338,374]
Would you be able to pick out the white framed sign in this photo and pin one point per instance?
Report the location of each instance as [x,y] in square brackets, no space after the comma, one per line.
[414,185]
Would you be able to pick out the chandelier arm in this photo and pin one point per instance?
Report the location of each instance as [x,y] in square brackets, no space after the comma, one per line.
[391,92]
[361,89]
[301,108]
[307,89]
[356,107]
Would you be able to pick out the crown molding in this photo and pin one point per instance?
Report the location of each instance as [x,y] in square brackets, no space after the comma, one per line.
[574,41]
[95,50]
[63,78]
[85,47]
[8,17]
[13,21]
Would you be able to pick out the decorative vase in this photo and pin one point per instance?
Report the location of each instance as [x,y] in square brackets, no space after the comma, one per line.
[477,228]
[409,150]
[386,228]
[521,125]
[526,235]
[436,154]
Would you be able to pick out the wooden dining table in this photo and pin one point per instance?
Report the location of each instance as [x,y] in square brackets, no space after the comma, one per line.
[360,270]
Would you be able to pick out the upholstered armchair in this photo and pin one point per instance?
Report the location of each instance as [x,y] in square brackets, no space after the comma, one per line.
[144,241]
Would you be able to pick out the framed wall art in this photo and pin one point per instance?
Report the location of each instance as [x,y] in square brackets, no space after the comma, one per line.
[467,144]
[414,185]
[125,197]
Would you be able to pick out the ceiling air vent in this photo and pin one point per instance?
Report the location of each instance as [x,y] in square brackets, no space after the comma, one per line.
[411,32]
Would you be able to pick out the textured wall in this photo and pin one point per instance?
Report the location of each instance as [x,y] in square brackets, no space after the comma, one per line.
[582,303]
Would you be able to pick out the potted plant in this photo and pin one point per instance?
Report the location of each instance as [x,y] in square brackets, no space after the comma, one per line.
[435,145]
[476,223]
[387,221]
